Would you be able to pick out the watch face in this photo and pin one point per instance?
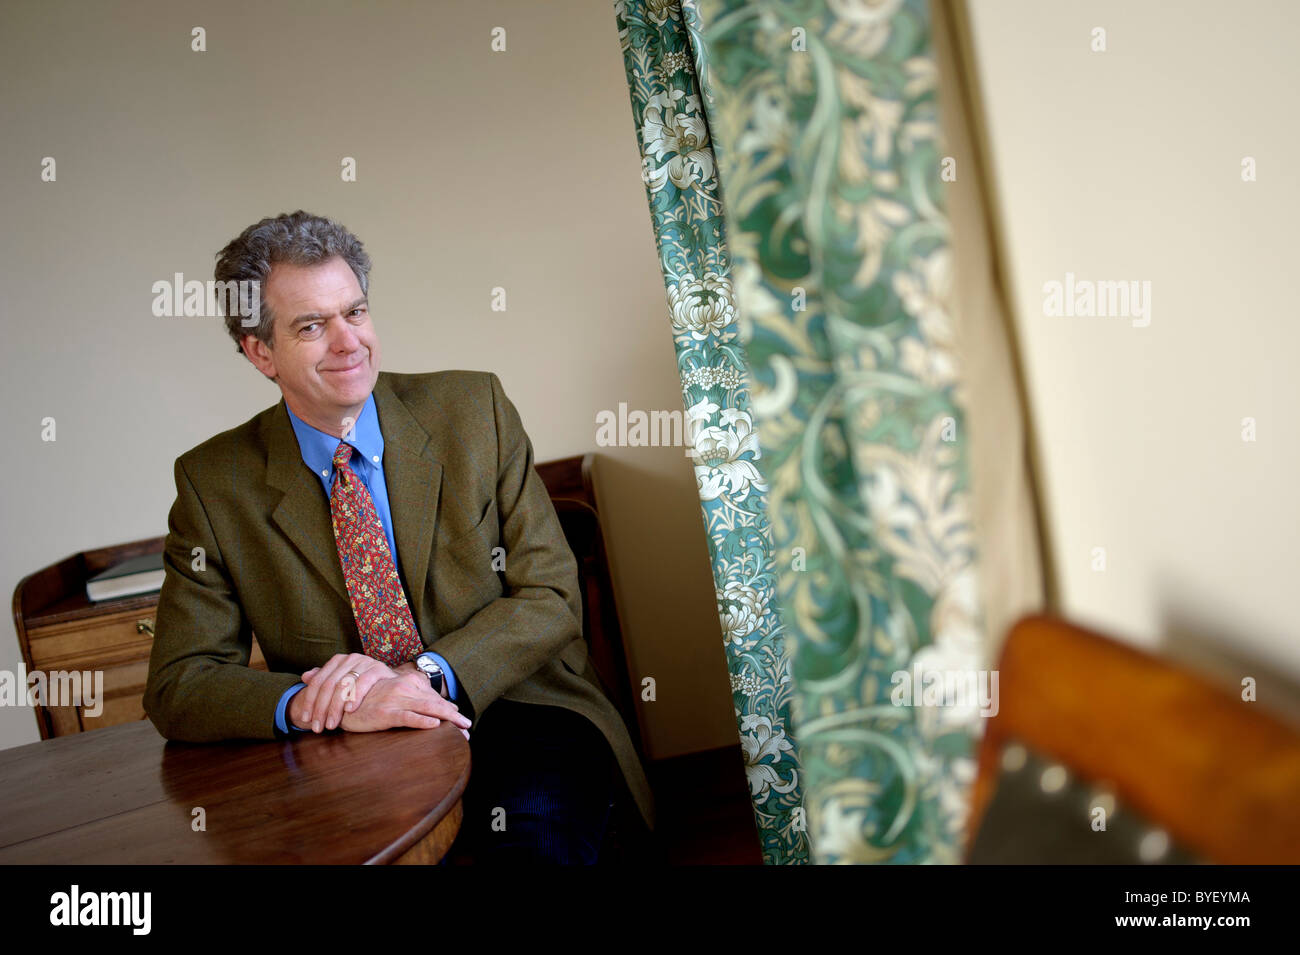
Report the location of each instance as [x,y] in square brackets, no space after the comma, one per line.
[434,672]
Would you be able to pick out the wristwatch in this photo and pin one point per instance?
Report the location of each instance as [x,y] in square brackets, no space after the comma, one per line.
[429,667]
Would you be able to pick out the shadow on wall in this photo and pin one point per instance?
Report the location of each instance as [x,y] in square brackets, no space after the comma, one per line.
[659,559]
[1197,638]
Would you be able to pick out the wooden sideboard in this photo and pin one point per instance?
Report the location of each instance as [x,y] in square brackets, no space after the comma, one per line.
[60,628]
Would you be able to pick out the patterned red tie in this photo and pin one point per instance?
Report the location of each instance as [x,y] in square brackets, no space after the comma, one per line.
[387,628]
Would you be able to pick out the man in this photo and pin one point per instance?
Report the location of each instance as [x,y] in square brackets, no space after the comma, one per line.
[388,541]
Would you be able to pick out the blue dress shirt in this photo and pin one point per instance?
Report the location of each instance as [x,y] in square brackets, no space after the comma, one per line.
[367,462]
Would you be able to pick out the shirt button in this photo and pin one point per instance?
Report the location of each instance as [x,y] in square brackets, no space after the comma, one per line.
[324,474]
[375,458]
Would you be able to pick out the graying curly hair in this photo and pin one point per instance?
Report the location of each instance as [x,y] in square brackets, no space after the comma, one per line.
[298,238]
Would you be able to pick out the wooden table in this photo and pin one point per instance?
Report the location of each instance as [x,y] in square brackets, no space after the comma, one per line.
[123,794]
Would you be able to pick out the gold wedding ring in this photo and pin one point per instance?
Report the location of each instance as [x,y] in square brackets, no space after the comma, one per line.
[350,694]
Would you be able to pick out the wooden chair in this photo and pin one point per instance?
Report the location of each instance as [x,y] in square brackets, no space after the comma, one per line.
[1221,776]
[571,482]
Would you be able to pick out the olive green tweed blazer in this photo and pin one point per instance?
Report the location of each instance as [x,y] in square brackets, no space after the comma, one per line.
[461,481]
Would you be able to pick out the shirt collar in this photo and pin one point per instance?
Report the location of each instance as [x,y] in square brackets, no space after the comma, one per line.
[318,447]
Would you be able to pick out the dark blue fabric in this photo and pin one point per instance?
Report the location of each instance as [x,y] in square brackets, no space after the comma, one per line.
[551,771]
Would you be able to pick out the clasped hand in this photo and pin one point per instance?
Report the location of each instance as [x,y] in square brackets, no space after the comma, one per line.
[362,695]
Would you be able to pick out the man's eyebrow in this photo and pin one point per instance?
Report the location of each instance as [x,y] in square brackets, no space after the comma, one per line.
[317,316]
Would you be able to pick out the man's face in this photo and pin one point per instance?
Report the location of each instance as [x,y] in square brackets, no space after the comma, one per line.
[326,353]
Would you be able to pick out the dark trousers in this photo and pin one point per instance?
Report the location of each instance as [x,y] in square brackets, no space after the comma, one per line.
[542,781]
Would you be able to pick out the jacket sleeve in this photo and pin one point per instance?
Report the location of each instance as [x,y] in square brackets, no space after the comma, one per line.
[540,614]
[200,687]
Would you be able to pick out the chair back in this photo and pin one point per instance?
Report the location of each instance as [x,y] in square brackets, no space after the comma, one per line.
[571,484]
[1219,774]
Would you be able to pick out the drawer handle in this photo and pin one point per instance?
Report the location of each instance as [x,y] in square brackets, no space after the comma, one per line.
[144,626]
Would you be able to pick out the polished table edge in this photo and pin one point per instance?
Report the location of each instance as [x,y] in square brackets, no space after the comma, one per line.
[424,843]
[432,848]
[428,840]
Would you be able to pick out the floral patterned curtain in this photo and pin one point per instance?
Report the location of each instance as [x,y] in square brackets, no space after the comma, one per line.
[835,492]
[686,211]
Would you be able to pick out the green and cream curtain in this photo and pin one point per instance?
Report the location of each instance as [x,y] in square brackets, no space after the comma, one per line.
[686,210]
[792,159]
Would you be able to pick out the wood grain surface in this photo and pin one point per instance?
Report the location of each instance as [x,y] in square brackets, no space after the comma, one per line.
[125,795]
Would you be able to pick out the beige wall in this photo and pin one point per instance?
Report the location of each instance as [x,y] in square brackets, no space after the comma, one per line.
[520,170]
[475,170]
[1126,164]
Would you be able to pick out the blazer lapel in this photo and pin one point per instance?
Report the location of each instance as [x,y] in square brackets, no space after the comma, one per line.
[303,513]
[413,477]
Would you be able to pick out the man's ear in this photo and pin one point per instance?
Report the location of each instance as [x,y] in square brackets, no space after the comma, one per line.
[253,350]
